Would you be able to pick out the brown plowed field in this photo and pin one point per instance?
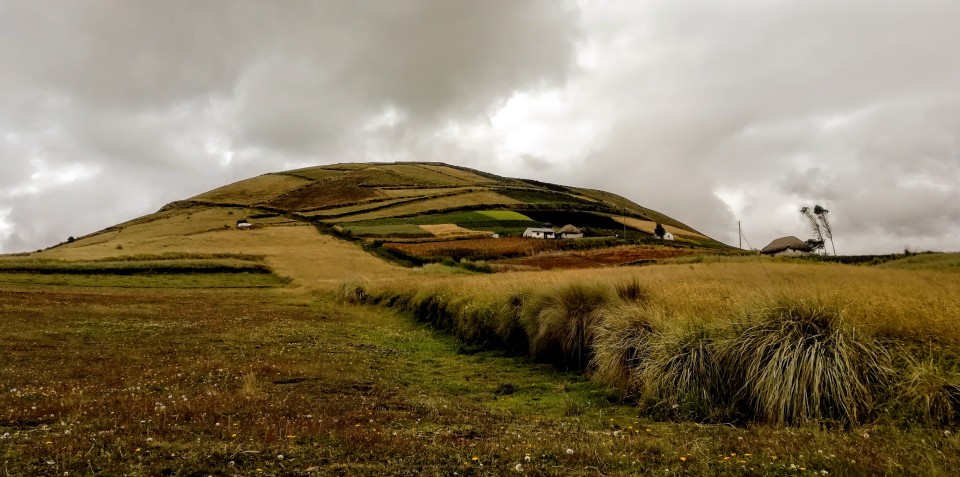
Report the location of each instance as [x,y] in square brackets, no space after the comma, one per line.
[606,257]
[477,247]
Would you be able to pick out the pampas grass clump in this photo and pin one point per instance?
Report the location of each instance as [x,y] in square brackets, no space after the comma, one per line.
[798,361]
[560,322]
[622,341]
[681,375]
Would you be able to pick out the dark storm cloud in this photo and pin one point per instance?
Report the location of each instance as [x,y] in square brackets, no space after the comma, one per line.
[161,100]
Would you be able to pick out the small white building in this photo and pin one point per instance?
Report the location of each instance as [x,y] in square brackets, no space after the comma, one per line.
[667,236]
[540,233]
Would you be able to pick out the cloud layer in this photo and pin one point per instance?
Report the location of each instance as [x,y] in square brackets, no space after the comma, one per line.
[708,111]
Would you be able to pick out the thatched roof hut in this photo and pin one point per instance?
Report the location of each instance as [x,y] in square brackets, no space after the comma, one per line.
[787,246]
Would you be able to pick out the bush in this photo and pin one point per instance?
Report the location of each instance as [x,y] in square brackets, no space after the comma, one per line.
[560,323]
[681,376]
[798,362]
[622,342]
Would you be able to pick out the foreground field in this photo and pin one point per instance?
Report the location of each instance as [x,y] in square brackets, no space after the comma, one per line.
[269,383]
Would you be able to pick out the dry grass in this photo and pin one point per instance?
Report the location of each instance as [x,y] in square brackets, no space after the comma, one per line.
[478,198]
[298,252]
[715,341]
[254,190]
[648,227]
[448,231]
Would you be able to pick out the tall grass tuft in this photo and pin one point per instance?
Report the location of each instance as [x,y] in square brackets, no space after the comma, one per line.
[798,361]
[353,291]
[929,395]
[681,376]
[560,322]
[632,291]
[622,342]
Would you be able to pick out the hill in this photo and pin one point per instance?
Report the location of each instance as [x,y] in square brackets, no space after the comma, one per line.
[408,213]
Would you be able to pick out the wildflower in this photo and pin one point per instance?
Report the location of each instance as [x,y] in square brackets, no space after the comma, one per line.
[518,468]
[526,458]
[49,443]
[280,457]
[474,458]
[569,451]
[683,458]
[137,449]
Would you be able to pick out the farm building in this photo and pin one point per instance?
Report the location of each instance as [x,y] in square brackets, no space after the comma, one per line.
[787,247]
[666,236]
[570,232]
[539,233]
[566,232]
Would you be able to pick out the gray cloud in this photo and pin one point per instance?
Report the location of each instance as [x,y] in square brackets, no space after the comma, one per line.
[161,100]
[708,111]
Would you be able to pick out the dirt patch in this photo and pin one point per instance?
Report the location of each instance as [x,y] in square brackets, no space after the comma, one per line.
[590,258]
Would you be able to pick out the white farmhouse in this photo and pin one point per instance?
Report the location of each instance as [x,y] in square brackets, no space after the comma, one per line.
[540,233]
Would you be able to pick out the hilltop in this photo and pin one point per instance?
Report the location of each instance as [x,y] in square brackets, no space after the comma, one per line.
[409,213]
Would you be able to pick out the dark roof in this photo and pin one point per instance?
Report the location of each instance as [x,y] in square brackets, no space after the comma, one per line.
[784,243]
[569,229]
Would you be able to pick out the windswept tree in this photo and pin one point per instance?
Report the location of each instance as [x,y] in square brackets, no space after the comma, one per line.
[820,226]
[659,231]
[821,214]
[816,243]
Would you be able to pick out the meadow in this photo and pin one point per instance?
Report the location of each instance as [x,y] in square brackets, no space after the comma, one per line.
[282,382]
[283,351]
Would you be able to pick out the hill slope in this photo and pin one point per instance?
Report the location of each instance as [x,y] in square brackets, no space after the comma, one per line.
[386,207]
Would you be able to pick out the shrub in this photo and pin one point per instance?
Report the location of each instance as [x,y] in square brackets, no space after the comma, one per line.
[622,342]
[681,375]
[560,322]
[798,361]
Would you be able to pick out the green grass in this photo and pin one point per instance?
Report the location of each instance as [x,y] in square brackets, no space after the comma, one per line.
[146,280]
[927,261]
[505,215]
[132,267]
[398,230]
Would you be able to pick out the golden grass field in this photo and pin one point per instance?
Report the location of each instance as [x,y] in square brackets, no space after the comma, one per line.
[648,227]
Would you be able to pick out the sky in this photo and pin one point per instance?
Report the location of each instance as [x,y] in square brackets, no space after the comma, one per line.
[711,112]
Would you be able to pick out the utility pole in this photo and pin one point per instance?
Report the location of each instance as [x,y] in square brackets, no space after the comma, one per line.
[740,234]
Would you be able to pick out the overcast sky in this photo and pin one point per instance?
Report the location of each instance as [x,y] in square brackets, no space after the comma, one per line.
[708,111]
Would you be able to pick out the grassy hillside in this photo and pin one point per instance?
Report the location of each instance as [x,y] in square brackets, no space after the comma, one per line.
[382,208]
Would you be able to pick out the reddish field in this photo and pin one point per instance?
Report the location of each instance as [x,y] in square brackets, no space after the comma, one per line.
[477,247]
[590,258]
